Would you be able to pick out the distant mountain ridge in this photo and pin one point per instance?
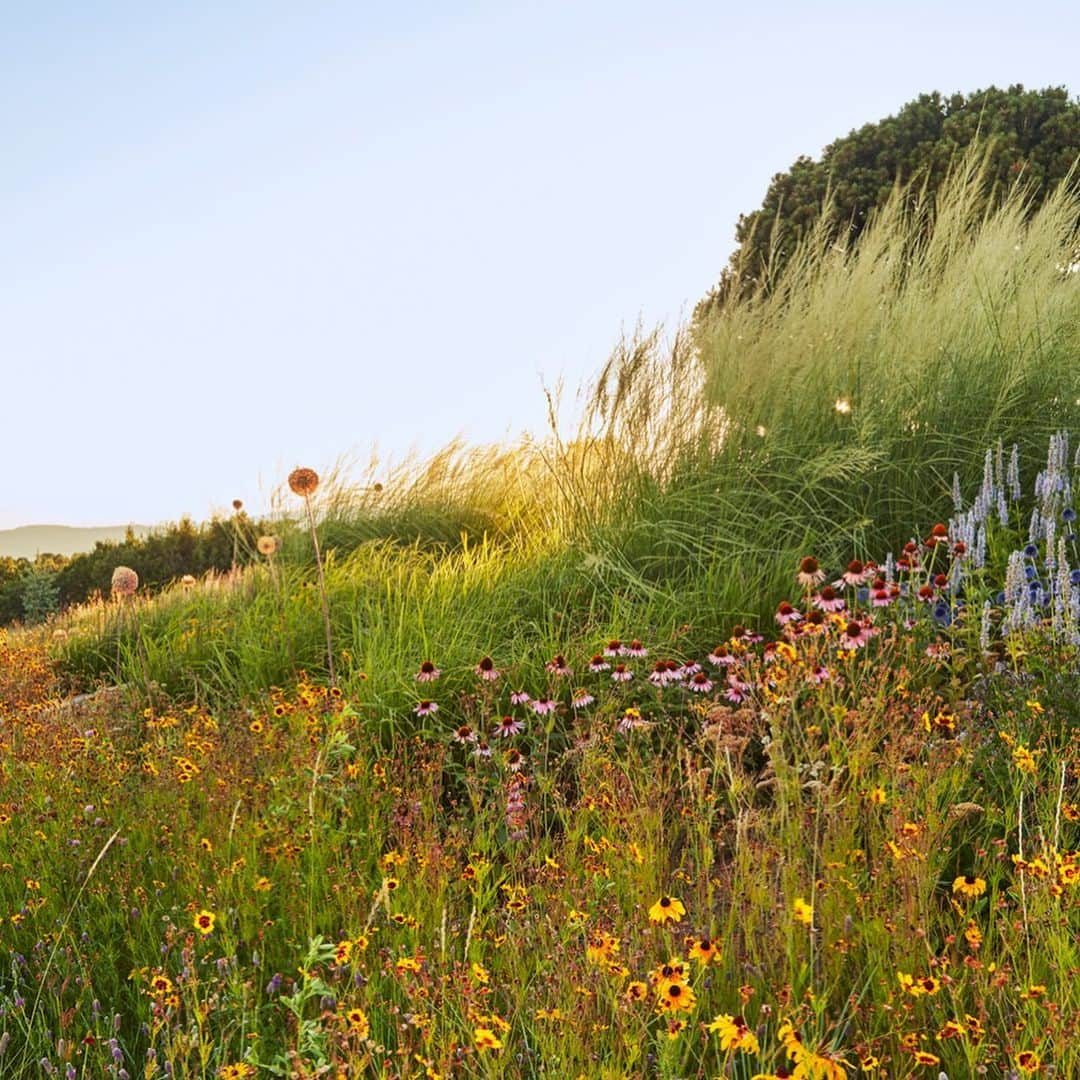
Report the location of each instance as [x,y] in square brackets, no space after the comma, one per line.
[29,540]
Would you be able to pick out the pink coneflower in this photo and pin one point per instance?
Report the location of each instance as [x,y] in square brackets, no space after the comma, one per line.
[829,600]
[810,573]
[543,706]
[721,656]
[581,699]
[507,726]
[428,672]
[674,670]
[482,750]
[691,667]
[700,683]
[622,673]
[880,598]
[768,654]
[464,734]
[487,670]
[598,663]
[736,690]
[635,649]
[614,648]
[819,675]
[855,574]
[426,708]
[557,666]
[514,760]
[855,635]
[785,614]
[659,674]
[519,697]
[926,593]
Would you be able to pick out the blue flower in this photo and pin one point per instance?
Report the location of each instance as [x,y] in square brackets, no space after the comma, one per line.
[1068,514]
[1030,572]
[1074,578]
[942,614]
[1031,551]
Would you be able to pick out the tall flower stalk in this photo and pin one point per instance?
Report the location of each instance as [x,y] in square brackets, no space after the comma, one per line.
[303,482]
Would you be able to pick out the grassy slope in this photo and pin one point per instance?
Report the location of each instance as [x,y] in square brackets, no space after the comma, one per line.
[945,332]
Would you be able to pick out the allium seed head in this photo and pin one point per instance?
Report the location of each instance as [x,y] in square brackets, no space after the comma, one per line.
[124,581]
[303,482]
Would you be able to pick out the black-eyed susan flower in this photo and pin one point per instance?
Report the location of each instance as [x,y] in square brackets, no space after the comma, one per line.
[803,912]
[703,949]
[1024,760]
[667,909]
[239,1070]
[675,997]
[734,1034]
[486,1039]
[969,887]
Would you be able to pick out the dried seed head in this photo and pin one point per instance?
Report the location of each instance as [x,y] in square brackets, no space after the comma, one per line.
[303,482]
[124,581]
[267,545]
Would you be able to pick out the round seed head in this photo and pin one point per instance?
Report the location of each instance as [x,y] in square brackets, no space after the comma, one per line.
[124,581]
[303,482]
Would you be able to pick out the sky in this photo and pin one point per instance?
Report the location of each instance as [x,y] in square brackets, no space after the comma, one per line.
[235,238]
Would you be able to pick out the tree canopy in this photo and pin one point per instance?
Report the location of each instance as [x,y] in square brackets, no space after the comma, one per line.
[1032,135]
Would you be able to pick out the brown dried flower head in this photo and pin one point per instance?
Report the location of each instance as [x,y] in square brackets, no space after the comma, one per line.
[267,545]
[238,504]
[303,482]
[124,581]
[188,581]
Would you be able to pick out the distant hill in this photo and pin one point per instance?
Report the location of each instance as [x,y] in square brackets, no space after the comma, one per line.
[29,540]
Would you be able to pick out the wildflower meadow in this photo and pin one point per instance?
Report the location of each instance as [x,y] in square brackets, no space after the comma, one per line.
[740,738]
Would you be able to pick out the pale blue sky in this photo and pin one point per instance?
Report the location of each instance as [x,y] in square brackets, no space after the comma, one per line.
[239,237]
